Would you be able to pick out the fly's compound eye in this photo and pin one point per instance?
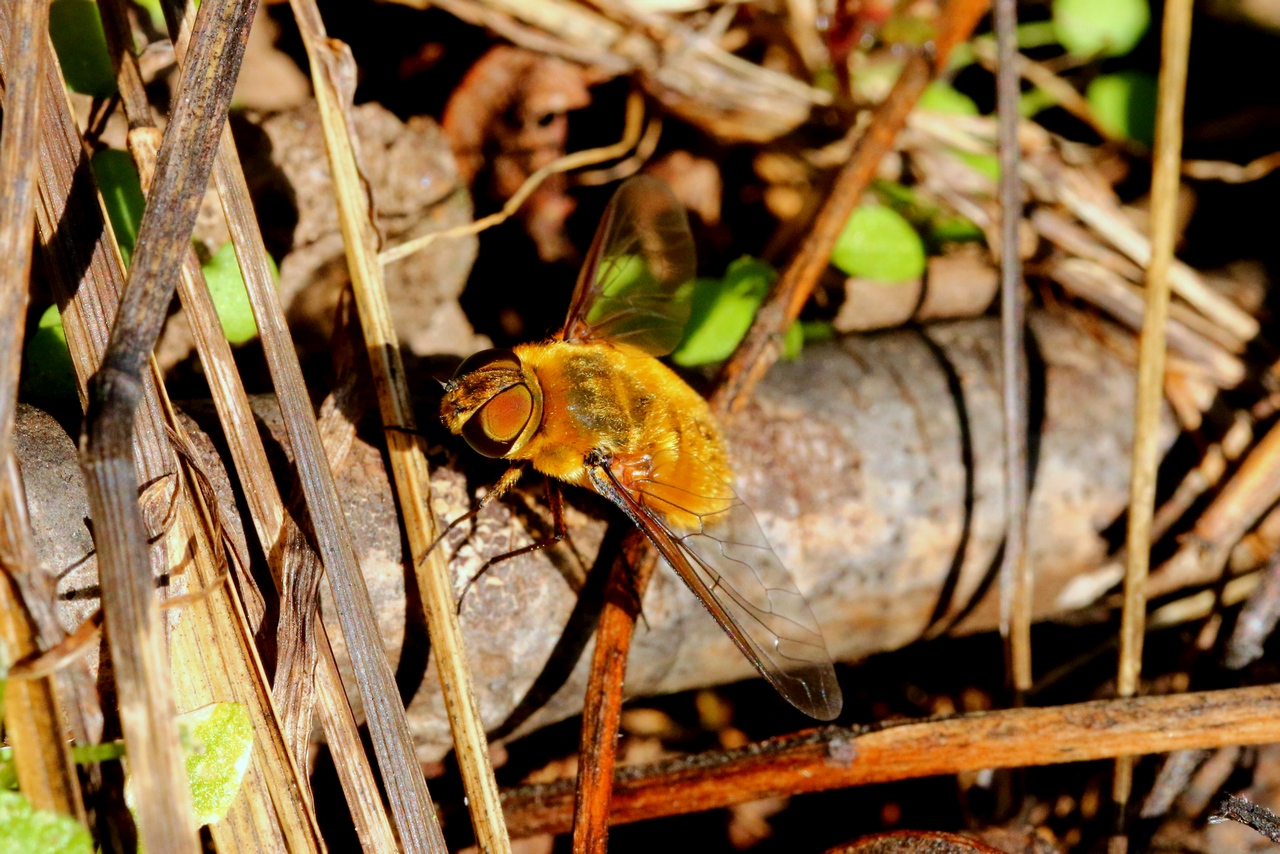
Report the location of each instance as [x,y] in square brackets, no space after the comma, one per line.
[488,360]
[496,426]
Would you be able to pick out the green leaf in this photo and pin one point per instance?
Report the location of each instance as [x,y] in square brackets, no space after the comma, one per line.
[1125,105]
[50,375]
[218,740]
[722,311]
[1089,28]
[121,189]
[942,97]
[24,830]
[878,244]
[81,45]
[230,297]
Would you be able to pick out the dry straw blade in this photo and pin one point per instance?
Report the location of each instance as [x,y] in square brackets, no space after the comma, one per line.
[330,65]
[32,713]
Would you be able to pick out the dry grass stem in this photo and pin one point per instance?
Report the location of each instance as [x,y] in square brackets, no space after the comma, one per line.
[407,449]
[1176,41]
[212,635]
[32,711]
[1015,569]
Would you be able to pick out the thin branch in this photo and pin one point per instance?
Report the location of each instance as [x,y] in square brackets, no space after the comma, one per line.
[375,682]
[735,385]
[1015,570]
[598,747]
[1176,41]
[835,757]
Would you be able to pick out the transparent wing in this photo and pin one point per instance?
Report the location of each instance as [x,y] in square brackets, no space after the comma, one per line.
[637,281]
[717,547]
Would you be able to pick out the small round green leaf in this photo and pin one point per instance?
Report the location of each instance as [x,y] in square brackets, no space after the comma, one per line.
[24,830]
[1125,105]
[722,312]
[218,741]
[230,297]
[942,97]
[117,179]
[76,31]
[1089,28]
[877,243]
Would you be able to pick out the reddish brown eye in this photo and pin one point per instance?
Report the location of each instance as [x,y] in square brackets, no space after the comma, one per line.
[498,424]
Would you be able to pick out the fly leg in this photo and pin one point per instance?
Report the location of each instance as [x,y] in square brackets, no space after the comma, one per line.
[508,480]
[555,500]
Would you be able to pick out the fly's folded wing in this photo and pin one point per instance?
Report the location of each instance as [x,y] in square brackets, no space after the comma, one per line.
[637,283]
[717,547]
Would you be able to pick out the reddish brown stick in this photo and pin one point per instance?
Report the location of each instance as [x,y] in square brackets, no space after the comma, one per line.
[598,747]
[763,342]
[835,757]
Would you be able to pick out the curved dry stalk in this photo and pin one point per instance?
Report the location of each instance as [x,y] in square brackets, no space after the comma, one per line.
[631,138]
[1231,173]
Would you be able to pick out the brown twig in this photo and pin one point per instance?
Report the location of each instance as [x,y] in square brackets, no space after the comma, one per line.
[760,349]
[597,750]
[763,342]
[249,456]
[1175,41]
[32,714]
[835,757]
[83,267]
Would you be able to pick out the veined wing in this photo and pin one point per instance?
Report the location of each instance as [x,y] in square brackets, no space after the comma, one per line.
[717,547]
[636,284]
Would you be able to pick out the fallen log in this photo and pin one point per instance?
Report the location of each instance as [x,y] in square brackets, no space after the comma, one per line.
[873,464]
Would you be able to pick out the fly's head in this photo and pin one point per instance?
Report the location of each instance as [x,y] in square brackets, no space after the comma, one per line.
[494,402]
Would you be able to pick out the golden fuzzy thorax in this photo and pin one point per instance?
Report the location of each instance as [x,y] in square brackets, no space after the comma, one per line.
[622,403]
